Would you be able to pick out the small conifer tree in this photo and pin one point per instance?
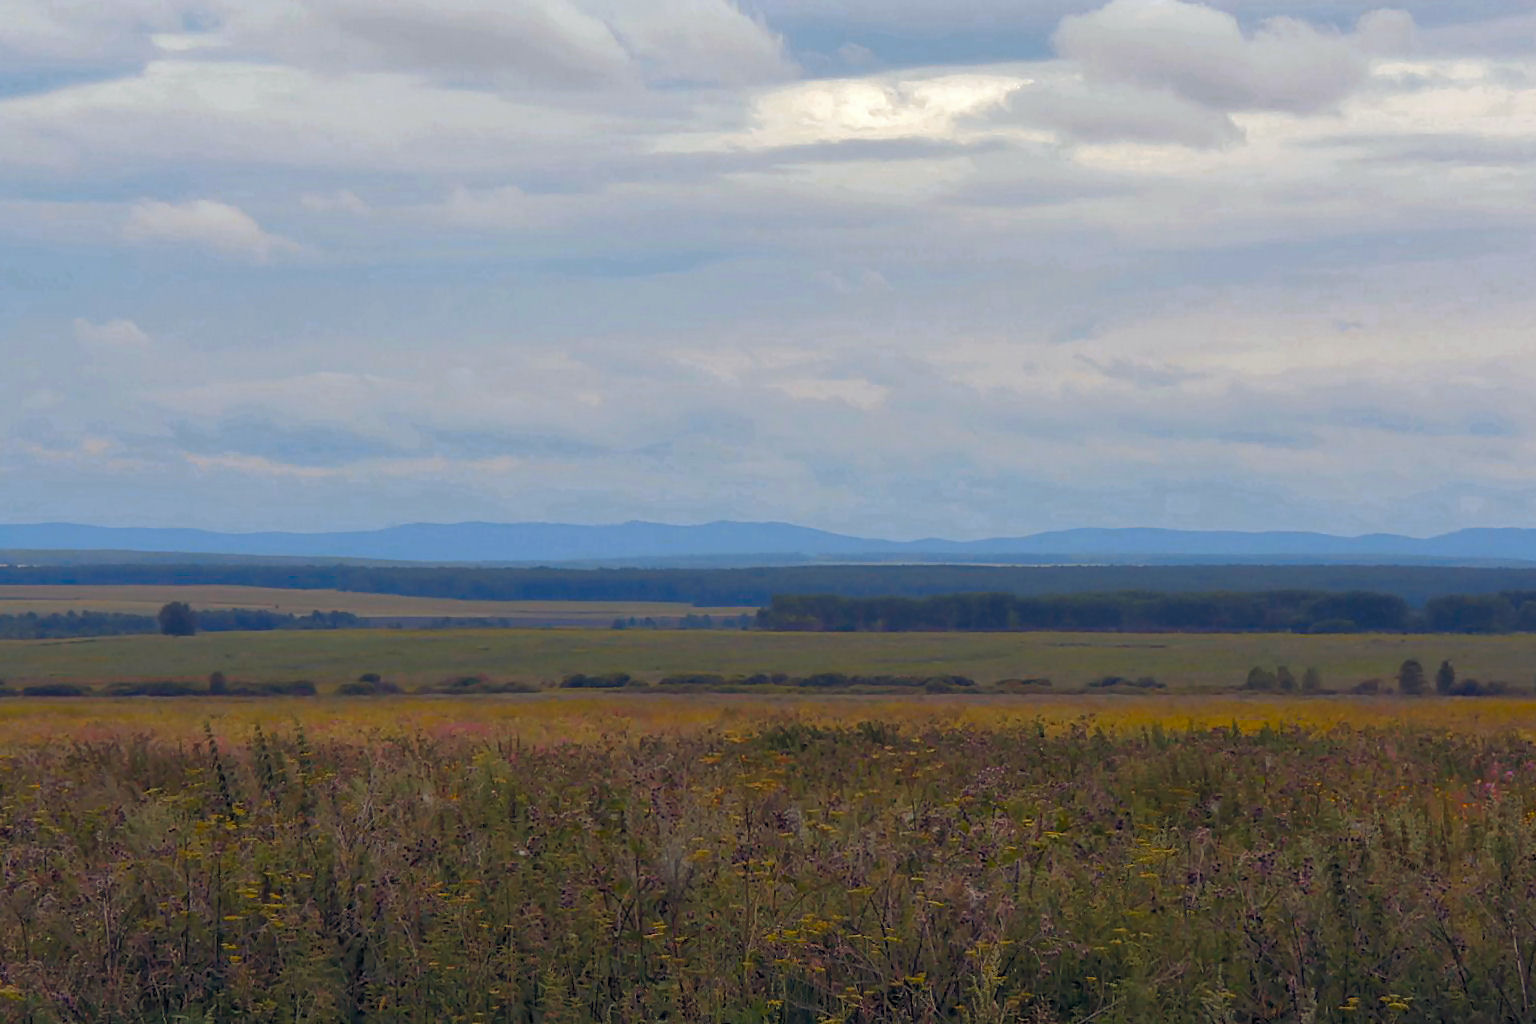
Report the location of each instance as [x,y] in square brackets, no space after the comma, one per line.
[1445,678]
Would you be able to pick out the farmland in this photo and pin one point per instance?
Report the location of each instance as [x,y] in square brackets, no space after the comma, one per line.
[1184,662]
[146,599]
[718,858]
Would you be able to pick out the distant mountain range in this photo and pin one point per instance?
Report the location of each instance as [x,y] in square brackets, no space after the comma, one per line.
[746,544]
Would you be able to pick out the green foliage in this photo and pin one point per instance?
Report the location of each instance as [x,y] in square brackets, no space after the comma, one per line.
[611,681]
[1311,680]
[177,618]
[1471,613]
[369,685]
[1120,682]
[467,685]
[1472,688]
[161,688]
[757,586]
[1034,683]
[1260,678]
[1410,678]
[294,688]
[1137,611]
[798,873]
[56,690]
[61,625]
[1445,678]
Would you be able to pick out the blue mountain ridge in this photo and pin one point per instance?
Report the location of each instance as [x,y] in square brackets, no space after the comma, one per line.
[743,541]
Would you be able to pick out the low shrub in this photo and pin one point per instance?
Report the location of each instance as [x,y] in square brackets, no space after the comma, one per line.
[1116,682]
[1022,685]
[161,688]
[369,685]
[56,690]
[825,681]
[703,679]
[611,681]
[297,688]
[1473,688]
[469,685]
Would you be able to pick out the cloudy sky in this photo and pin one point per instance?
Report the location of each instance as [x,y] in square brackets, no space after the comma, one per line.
[868,265]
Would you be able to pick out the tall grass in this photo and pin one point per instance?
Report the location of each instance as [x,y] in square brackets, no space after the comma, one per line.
[783,868]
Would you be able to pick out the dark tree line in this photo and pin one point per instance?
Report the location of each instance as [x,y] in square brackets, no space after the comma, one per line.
[757,586]
[64,625]
[59,626]
[1508,612]
[1273,611]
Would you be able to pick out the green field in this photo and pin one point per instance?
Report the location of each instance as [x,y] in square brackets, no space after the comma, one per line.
[1182,661]
[146,599]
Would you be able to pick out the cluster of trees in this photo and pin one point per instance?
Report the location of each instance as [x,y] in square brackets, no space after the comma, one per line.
[221,620]
[1279,610]
[174,619]
[1284,680]
[1411,680]
[1122,682]
[1301,611]
[743,621]
[1507,612]
[756,586]
[63,625]
[217,686]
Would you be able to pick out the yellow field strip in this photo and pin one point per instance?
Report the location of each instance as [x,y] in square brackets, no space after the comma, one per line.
[552,718]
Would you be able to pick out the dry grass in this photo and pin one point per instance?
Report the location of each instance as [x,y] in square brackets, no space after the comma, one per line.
[558,860]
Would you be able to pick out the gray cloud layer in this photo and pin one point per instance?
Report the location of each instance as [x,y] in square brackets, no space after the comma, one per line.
[316,263]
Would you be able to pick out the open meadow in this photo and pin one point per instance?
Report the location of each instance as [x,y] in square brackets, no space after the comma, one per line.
[552,858]
[1184,662]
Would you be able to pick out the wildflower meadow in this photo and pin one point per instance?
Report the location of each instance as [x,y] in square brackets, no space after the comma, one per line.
[757,862]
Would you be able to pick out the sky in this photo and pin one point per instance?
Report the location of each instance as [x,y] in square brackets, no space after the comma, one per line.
[867,265]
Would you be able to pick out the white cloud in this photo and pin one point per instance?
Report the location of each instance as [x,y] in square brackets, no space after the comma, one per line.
[699,41]
[933,106]
[206,113]
[550,42]
[258,467]
[113,335]
[340,201]
[204,223]
[859,393]
[69,31]
[1386,31]
[1203,54]
[1061,100]
[517,43]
